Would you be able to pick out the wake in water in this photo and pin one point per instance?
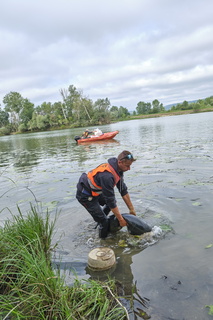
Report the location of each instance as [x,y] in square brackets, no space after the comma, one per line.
[124,239]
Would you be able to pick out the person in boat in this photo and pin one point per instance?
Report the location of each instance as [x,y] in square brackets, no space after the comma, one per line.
[95,191]
[86,134]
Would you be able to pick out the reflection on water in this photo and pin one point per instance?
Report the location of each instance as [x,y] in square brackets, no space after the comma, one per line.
[136,305]
[170,184]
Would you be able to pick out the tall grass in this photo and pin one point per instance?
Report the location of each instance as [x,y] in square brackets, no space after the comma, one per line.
[31,289]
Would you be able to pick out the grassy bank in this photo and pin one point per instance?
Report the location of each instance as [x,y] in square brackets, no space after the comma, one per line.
[31,289]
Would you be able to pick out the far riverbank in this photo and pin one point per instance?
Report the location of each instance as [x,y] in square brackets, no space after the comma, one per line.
[169,113]
[131,117]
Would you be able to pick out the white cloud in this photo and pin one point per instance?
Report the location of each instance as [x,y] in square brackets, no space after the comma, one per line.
[126,50]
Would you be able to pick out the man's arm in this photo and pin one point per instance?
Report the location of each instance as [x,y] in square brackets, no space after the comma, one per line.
[129,204]
[119,216]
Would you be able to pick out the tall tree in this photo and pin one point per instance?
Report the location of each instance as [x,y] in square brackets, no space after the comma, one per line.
[185,105]
[143,107]
[123,112]
[26,112]
[157,106]
[4,118]
[114,112]
[80,107]
[14,102]
[44,109]
[101,111]
[64,106]
[73,101]
[59,111]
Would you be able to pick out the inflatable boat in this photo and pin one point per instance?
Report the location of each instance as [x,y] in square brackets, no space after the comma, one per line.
[91,138]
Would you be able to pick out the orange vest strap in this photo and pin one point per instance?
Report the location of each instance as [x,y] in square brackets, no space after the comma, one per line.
[97,190]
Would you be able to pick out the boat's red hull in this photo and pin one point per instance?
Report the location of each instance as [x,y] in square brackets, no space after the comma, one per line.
[104,136]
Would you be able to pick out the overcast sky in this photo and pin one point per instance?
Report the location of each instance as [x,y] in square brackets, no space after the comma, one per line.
[125,50]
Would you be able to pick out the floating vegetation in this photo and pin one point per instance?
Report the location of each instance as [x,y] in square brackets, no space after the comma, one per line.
[209,246]
[166,227]
[158,215]
[197,204]
[51,189]
[210,310]
[122,243]
[50,205]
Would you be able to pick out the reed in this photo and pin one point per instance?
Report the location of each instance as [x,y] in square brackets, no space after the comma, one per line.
[31,289]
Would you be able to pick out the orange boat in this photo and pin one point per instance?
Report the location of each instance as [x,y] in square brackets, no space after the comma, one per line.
[103,136]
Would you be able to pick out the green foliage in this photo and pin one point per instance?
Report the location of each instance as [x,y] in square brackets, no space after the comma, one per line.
[114,115]
[123,112]
[5,131]
[26,112]
[32,124]
[196,106]
[20,109]
[43,122]
[13,102]
[118,113]
[157,106]
[31,289]
[101,111]
[22,127]
[4,118]
[143,107]
[76,110]
[39,122]
[149,108]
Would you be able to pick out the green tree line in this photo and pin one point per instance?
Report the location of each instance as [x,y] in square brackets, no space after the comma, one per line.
[75,110]
[196,106]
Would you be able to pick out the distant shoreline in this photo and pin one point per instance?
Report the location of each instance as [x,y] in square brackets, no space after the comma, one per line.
[136,117]
[165,114]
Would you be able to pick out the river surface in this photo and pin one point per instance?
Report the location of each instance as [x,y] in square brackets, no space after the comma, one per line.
[169,276]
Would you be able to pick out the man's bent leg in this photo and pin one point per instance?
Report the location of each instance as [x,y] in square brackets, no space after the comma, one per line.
[105,207]
[95,210]
[103,228]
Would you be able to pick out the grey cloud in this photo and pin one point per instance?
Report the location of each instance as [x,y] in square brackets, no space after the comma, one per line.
[126,50]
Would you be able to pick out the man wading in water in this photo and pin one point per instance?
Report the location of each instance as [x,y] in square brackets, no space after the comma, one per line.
[95,190]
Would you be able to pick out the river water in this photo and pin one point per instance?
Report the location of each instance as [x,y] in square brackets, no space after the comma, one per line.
[169,276]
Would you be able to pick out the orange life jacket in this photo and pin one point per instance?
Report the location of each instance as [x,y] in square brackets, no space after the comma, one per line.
[97,190]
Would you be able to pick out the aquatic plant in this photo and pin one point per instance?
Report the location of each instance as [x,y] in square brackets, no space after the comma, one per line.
[31,289]
[210,310]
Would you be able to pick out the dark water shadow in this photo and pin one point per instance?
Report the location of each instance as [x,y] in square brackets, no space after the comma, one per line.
[126,286]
